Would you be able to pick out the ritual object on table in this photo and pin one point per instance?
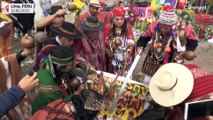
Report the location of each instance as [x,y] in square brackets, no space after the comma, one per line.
[131,102]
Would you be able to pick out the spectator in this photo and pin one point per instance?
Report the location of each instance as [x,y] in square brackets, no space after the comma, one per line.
[15,94]
[10,76]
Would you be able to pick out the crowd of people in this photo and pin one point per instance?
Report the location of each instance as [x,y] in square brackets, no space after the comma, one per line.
[67,59]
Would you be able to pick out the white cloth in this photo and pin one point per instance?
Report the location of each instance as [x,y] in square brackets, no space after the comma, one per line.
[179,47]
[58,41]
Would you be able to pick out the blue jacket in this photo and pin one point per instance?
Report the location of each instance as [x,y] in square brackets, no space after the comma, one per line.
[10,99]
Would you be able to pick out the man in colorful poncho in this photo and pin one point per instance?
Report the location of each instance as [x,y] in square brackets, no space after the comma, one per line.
[51,77]
[166,43]
[92,48]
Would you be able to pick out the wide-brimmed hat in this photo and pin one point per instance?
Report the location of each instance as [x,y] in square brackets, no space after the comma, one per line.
[171,84]
[67,30]
[95,3]
[168,16]
[92,24]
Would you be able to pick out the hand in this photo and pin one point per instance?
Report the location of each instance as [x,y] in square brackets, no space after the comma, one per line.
[130,48]
[109,53]
[60,12]
[27,83]
[81,88]
[118,42]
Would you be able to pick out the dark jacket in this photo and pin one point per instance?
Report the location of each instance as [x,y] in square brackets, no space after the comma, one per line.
[10,99]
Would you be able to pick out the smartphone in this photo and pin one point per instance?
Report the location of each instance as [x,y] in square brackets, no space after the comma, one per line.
[198,109]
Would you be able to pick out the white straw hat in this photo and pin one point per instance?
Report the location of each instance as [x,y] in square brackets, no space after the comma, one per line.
[171,84]
[95,3]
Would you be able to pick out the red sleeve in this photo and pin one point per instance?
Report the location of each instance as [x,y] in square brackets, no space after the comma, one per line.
[190,33]
[130,33]
[106,34]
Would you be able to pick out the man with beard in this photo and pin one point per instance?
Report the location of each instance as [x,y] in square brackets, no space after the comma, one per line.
[92,49]
[94,6]
[52,77]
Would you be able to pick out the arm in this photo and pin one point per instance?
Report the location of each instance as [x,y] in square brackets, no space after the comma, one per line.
[47,20]
[14,95]
[146,36]
[10,99]
[142,41]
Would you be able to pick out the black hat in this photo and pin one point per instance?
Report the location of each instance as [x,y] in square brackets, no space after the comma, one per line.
[67,30]
[54,9]
[57,55]
[92,24]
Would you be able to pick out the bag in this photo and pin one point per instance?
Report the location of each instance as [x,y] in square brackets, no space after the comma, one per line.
[5,28]
[150,65]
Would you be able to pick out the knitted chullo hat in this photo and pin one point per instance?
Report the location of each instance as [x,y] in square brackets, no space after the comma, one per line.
[168,16]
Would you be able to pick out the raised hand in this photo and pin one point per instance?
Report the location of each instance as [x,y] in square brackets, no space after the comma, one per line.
[27,83]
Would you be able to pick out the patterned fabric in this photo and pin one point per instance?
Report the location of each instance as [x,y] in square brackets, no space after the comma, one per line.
[44,53]
[119,55]
[47,91]
[190,34]
[92,52]
[43,88]
[5,35]
[55,110]
[203,88]
[168,17]
[5,28]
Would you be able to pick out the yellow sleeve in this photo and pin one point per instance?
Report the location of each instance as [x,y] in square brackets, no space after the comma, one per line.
[5,17]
